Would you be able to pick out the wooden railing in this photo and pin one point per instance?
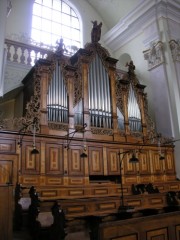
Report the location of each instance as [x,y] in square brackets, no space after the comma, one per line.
[22,53]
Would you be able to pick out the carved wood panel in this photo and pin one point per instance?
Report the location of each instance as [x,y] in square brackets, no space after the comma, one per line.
[113,162]
[144,163]
[7,146]
[169,163]
[159,234]
[6,171]
[157,164]
[30,162]
[76,163]
[96,166]
[178,232]
[8,168]
[128,237]
[129,168]
[6,210]
[54,158]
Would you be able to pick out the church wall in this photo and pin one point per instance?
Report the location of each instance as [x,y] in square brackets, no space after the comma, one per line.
[18,105]
[7,109]
[19,20]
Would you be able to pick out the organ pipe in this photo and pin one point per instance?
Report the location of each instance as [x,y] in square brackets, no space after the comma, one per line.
[57,99]
[99,95]
[133,112]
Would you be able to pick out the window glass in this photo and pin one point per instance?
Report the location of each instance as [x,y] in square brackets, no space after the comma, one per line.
[46,12]
[66,19]
[57,5]
[75,22]
[75,34]
[46,25]
[39,1]
[56,28]
[47,3]
[37,9]
[65,8]
[66,32]
[46,38]
[35,35]
[55,19]
[56,16]
[36,22]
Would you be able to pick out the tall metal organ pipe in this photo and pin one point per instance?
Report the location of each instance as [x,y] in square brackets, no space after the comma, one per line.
[99,95]
[57,98]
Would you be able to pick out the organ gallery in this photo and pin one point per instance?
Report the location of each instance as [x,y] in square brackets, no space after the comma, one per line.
[85,139]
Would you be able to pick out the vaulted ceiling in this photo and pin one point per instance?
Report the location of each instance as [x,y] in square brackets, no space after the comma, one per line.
[112,11]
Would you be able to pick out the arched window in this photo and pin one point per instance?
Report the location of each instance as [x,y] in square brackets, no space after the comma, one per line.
[55,19]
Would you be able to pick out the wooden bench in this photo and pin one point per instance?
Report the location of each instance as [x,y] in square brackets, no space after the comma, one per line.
[160,226]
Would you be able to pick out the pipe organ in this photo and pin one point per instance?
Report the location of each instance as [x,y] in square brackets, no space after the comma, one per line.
[99,95]
[57,97]
[83,102]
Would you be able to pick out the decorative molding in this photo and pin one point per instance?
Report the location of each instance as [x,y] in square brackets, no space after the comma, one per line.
[175,49]
[146,13]
[154,55]
[101,131]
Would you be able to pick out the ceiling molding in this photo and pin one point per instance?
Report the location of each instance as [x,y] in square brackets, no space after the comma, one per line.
[146,13]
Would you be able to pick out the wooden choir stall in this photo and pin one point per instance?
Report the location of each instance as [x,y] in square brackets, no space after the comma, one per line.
[83,138]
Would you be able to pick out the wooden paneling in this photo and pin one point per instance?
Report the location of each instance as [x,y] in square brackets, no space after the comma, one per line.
[30,162]
[113,162]
[157,164]
[8,168]
[54,159]
[144,163]
[7,146]
[129,168]
[6,211]
[6,171]
[158,234]
[76,163]
[128,237]
[159,227]
[169,163]
[96,166]
[178,232]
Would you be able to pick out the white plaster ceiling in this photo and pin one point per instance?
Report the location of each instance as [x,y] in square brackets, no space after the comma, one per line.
[111,11]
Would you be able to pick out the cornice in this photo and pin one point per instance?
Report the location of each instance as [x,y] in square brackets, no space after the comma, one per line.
[146,13]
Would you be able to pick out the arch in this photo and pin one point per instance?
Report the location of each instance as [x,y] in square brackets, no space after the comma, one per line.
[123,59]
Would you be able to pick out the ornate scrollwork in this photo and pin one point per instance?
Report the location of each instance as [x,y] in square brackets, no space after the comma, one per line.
[175,49]
[58,126]
[102,131]
[154,55]
[11,123]
[94,48]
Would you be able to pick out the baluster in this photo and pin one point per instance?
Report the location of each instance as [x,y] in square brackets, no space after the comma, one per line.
[15,56]
[22,58]
[36,56]
[8,52]
[29,59]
